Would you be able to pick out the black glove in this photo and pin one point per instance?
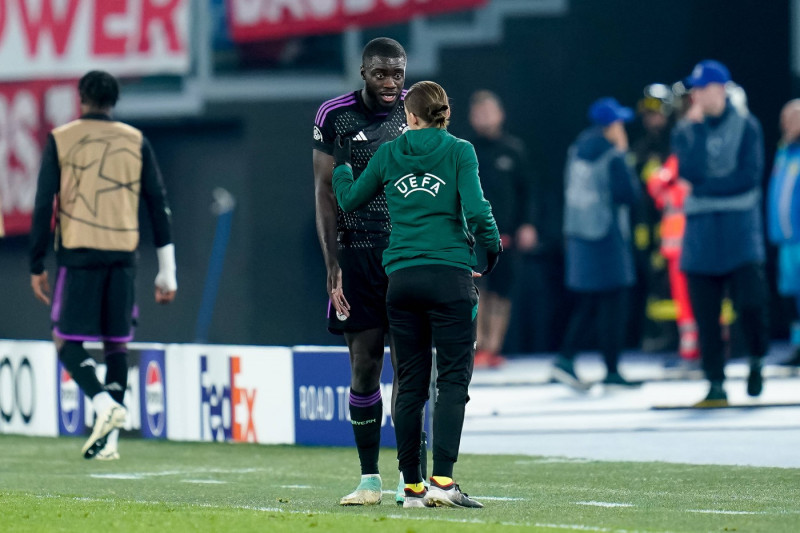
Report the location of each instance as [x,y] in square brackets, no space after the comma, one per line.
[491,260]
[341,151]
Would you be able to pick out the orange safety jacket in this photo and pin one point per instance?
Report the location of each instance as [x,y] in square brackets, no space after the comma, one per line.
[669,193]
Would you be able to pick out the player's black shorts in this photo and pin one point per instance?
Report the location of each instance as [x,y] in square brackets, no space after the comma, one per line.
[364,283]
[94,304]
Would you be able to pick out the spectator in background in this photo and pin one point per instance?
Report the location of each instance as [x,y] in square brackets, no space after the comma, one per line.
[650,321]
[721,154]
[783,214]
[2,228]
[669,191]
[506,186]
[599,189]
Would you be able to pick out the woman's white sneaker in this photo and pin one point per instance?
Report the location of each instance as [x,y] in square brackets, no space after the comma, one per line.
[449,495]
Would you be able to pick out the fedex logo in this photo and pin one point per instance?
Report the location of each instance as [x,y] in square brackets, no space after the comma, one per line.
[226,407]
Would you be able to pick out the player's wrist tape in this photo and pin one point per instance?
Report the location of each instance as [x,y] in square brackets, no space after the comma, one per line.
[166,279]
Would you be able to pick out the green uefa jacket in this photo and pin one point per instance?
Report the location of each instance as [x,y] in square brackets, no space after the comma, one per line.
[434,196]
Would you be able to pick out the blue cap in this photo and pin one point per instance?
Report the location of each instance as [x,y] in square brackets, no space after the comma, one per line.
[606,111]
[708,71]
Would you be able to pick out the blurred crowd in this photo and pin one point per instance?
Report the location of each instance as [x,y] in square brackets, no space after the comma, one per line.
[664,235]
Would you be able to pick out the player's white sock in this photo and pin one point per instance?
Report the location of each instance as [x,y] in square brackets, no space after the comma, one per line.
[112,439]
[102,401]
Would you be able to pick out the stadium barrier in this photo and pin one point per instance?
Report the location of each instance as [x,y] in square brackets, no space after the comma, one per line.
[193,392]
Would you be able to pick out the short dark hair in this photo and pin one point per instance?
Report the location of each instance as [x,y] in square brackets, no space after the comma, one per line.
[383,47]
[98,88]
[478,97]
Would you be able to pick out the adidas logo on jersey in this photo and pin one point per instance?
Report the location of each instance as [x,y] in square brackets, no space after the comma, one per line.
[360,136]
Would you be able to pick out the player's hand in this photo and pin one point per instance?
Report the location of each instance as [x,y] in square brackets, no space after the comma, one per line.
[491,260]
[166,280]
[166,286]
[341,151]
[336,293]
[164,297]
[41,287]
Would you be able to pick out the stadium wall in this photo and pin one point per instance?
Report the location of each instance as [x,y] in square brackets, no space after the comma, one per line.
[193,392]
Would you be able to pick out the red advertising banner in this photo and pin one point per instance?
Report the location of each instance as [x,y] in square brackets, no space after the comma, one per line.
[49,39]
[254,20]
[28,111]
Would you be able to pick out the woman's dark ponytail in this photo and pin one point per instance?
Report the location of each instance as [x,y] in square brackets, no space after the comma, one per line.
[428,101]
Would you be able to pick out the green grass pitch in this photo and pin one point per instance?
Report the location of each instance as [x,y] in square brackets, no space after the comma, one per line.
[45,485]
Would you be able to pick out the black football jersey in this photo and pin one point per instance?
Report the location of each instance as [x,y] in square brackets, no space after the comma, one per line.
[348,116]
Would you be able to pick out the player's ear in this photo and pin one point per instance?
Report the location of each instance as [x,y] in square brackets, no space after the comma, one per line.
[363,73]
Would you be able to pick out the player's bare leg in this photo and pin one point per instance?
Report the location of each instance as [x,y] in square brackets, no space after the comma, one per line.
[494,313]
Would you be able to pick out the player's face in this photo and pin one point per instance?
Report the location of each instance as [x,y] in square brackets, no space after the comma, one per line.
[710,98]
[654,121]
[486,118]
[790,123]
[383,80]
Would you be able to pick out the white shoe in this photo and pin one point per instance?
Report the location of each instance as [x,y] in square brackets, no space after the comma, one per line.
[108,453]
[449,496]
[368,492]
[413,500]
[112,417]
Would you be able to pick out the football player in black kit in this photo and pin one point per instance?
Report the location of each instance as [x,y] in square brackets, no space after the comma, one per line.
[353,243]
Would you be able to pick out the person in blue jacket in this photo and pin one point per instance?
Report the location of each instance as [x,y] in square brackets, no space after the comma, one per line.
[783,214]
[721,153]
[599,189]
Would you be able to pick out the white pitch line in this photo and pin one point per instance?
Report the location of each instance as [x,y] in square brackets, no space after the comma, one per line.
[719,511]
[604,504]
[116,476]
[552,460]
[296,487]
[193,471]
[204,481]
[574,527]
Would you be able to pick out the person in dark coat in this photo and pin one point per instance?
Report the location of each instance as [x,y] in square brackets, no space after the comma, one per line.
[721,150]
[599,189]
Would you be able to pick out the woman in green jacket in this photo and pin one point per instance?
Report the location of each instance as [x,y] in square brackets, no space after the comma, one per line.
[436,205]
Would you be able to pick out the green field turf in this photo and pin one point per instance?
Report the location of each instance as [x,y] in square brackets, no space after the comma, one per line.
[45,485]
